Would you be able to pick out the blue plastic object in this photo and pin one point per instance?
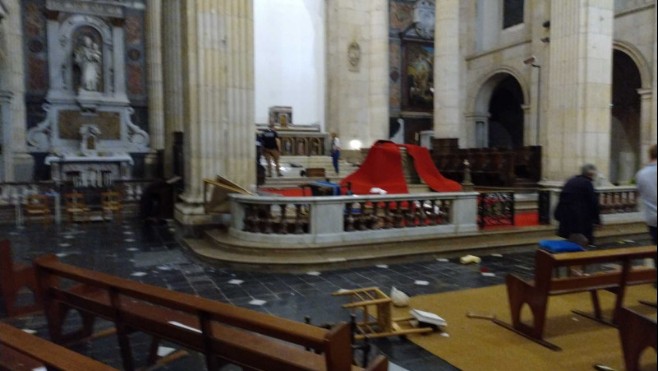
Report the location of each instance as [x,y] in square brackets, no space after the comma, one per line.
[558,246]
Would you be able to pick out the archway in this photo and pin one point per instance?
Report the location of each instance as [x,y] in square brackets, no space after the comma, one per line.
[625,148]
[506,115]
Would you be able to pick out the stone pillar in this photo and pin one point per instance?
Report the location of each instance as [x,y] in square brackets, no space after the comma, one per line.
[218,98]
[19,165]
[652,132]
[154,82]
[172,79]
[648,121]
[357,66]
[447,62]
[579,87]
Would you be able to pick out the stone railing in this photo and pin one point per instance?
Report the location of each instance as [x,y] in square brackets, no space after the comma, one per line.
[334,219]
[616,204]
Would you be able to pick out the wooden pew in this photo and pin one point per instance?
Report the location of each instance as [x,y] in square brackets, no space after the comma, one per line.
[14,277]
[636,332]
[536,293]
[20,351]
[223,333]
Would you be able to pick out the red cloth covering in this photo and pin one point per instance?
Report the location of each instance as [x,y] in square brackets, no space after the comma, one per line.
[428,172]
[382,168]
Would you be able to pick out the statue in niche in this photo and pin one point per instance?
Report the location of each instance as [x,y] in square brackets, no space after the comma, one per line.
[89,142]
[88,57]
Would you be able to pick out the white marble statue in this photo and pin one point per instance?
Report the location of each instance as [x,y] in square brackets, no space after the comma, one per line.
[89,58]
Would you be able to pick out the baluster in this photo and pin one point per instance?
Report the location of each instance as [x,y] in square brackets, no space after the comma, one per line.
[398,217]
[388,220]
[283,225]
[433,214]
[410,214]
[422,220]
[349,219]
[374,218]
[298,219]
[267,218]
[363,218]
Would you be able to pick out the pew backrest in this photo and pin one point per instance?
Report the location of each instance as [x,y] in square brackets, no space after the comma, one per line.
[546,264]
[214,328]
[19,349]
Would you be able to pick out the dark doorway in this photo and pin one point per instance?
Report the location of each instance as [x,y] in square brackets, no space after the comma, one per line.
[506,115]
[625,151]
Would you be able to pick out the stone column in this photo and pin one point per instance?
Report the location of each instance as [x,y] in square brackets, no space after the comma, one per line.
[579,85]
[378,58]
[357,66]
[648,121]
[447,62]
[218,98]
[172,79]
[652,132]
[154,81]
[19,164]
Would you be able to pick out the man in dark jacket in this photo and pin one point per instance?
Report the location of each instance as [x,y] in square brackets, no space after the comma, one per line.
[578,208]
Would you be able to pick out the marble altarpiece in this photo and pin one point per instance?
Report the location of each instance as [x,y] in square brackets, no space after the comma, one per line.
[87,134]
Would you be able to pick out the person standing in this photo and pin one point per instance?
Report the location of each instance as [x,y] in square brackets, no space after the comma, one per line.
[335,151]
[578,206]
[646,187]
[271,144]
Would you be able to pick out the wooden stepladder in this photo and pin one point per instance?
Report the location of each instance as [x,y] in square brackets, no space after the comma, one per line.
[377,318]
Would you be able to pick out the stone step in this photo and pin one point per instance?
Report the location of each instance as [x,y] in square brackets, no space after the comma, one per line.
[219,247]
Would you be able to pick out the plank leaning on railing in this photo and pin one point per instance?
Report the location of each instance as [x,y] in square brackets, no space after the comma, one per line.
[250,339]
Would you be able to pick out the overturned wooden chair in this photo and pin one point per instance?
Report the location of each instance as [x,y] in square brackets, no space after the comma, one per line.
[377,319]
[15,277]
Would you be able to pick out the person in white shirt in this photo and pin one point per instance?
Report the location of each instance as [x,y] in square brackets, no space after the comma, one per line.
[646,186]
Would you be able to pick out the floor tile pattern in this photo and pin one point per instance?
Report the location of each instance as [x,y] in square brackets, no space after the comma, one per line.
[154,255]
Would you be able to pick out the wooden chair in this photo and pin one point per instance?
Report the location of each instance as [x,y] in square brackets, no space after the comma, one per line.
[37,206]
[75,205]
[377,314]
[13,278]
[111,205]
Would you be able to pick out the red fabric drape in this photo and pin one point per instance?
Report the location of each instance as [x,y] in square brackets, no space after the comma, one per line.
[382,168]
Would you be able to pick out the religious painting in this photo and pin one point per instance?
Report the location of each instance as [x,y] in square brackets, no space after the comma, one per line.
[418,81]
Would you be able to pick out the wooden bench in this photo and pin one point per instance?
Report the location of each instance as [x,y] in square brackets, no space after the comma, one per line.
[223,333]
[13,278]
[21,351]
[536,293]
[636,332]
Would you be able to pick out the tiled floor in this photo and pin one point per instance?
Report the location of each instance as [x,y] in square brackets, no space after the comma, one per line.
[154,255]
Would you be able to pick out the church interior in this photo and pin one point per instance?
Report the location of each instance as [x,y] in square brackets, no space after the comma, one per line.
[325,184]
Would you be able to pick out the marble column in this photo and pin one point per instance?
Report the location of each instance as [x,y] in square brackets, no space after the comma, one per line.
[155,84]
[579,87]
[218,98]
[652,133]
[447,62]
[172,83]
[357,79]
[19,164]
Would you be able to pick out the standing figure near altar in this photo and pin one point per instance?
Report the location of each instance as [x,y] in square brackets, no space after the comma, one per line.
[88,57]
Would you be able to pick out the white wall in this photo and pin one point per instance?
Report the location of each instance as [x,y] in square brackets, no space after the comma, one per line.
[289,43]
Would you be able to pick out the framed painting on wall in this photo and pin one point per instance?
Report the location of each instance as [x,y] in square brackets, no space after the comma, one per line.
[418,73]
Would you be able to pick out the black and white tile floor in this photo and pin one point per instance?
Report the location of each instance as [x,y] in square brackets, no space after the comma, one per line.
[154,255]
